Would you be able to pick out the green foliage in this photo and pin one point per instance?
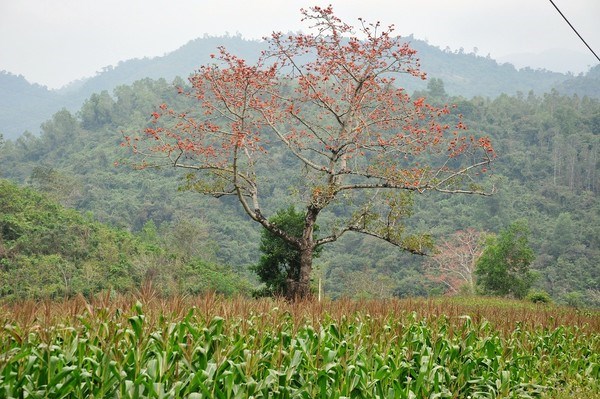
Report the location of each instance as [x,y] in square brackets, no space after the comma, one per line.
[280,260]
[55,185]
[539,297]
[97,111]
[47,251]
[201,276]
[574,299]
[504,267]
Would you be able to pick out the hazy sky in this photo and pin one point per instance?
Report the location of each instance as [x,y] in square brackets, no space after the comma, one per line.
[53,42]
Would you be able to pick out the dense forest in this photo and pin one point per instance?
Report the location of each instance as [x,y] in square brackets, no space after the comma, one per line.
[546,176]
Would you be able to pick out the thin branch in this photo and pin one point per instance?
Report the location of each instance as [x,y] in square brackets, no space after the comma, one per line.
[387,239]
[291,148]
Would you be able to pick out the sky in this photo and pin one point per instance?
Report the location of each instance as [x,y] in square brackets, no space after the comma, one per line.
[58,41]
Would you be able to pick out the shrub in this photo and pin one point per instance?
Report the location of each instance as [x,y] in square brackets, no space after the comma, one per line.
[539,297]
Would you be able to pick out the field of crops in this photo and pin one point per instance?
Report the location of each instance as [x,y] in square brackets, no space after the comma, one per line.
[209,347]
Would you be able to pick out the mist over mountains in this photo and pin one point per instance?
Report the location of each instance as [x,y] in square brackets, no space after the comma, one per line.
[556,59]
[24,106]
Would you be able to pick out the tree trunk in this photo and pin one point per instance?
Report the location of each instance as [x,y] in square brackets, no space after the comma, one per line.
[300,289]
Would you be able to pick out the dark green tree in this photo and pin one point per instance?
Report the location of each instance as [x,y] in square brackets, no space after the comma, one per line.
[503,268]
[280,261]
[55,185]
[97,111]
[435,88]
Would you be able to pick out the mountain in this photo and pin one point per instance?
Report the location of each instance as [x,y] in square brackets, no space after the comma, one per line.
[469,75]
[582,85]
[25,106]
[180,62]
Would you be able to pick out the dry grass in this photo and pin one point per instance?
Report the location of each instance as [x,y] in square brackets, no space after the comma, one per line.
[504,315]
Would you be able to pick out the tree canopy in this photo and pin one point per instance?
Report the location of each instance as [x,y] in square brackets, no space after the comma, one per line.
[329,99]
[47,251]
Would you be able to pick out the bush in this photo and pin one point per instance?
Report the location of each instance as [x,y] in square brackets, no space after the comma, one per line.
[539,297]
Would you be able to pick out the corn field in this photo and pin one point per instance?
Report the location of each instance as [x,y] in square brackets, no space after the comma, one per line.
[209,347]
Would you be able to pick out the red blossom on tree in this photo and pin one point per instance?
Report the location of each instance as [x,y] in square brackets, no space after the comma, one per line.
[331,100]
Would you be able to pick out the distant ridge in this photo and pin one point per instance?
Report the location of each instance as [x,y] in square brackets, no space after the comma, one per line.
[556,59]
[25,106]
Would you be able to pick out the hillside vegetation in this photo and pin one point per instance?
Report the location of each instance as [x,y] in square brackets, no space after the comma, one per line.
[48,251]
[546,174]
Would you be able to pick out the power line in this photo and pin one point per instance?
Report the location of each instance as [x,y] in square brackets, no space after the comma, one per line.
[575,30]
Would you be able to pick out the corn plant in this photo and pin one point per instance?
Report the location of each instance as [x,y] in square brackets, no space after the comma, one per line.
[212,348]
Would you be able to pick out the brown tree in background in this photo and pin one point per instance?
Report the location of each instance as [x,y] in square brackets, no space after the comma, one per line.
[455,261]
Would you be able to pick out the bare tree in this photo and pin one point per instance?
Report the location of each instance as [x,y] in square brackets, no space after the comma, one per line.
[455,260]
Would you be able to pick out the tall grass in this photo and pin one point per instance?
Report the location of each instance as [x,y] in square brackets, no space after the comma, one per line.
[209,347]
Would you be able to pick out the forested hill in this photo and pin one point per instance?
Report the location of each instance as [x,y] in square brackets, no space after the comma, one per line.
[547,174]
[25,106]
[47,250]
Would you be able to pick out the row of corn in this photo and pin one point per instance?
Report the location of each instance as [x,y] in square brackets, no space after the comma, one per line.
[270,355]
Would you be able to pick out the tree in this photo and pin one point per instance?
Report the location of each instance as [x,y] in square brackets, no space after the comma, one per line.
[436,89]
[503,268]
[329,100]
[97,111]
[455,261]
[280,260]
